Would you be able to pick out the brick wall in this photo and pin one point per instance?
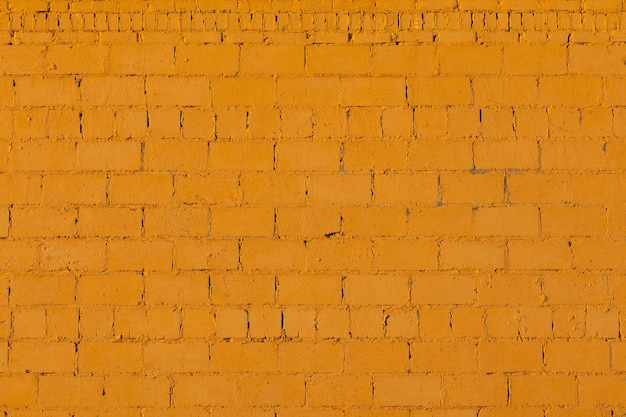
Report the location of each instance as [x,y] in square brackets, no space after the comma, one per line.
[319,208]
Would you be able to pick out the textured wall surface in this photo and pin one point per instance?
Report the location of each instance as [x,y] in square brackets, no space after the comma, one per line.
[318,208]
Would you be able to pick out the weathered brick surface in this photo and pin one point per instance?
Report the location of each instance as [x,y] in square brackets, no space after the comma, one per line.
[329,208]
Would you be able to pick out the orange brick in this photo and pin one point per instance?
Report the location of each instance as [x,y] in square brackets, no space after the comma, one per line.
[96,323]
[133,255]
[339,391]
[20,188]
[547,254]
[507,289]
[363,122]
[116,289]
[383,91]
[370,356]
[63,124]
[137,391]
[367,322]
[86,189]
[70,391]
[441,221]
[231,323]
[531,123]
[308,156]
[507,356]
[167,358]
[569,91]
[62,323]
[38,156]
[256,156]
[443,357]
[128,123]
[396,255]
[475,390]
[29,323]
[170,91]
[427,154]
[22,59]
[502,322]
[244,91]
[598,254]
[331,122]
[112,91]
[401,323]
[298,322]
[265,322]
[206,254]
[179,222]
[404,60]
[110,155]
[376,290]
[338,59]
[431,289]
[29,123]
[19,255]
[374,155]
[411,390]
[539,188]
[505,91]
[198,123]
[206,189]
[164,122]
[307,222]
[270,255]
[169,155]
[187,288]
[305,357]
[18,390]
[596,390]
[207,59]
[296,123]
[572,221]
[595,59]
[272,59]
[332,322]
[210,390]
[373,221]
[107,357]
[308,91]
[141,189]
[143,58]
[470,59]
[52,91]
[506,221]
[285,390]
[52,289]
[534,59]
[506,154]
[43,222]
[41,357]
[577,356]
[242,289]
[472,254]
[77,59]
[264,123]
[572,154]
[431,122]
[472,188]
[243,357]
[555,390]
[273,189]
[309,289]
[109,222]
[439,91]
[243,222]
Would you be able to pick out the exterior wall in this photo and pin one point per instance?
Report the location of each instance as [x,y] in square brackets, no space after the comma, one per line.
[313,208]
